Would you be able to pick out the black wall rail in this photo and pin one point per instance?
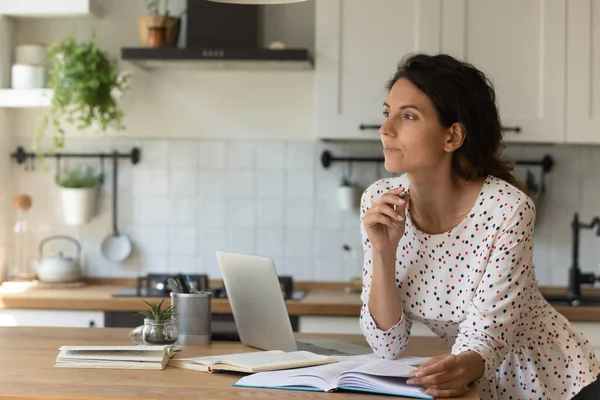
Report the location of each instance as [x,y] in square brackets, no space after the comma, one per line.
[327,158]
[21,156]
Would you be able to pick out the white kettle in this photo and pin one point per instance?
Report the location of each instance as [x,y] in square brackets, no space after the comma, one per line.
[59,269]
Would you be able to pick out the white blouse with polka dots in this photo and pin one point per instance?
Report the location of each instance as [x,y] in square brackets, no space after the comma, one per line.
[475,287]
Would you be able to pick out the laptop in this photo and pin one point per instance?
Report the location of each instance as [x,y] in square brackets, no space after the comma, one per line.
[259,309]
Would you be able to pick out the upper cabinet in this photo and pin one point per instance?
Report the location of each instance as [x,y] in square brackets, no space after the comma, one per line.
[583,67]
[358,46]
[519,44]
[48,8]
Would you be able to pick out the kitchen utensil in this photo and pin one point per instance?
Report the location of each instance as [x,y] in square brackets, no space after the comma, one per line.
[59,269]
[193,312]
[116,247]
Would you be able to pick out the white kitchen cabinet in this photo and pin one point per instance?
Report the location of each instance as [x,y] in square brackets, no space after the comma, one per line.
[358,46]
[583,65]
[60,318]
[520,45]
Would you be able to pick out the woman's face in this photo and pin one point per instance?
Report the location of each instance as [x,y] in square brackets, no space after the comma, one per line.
[412,136]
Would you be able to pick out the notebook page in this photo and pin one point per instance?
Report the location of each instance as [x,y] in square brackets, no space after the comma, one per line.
[389,368]
[259,359]
[322,376]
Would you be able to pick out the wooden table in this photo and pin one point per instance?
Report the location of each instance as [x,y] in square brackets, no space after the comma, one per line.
[27,357]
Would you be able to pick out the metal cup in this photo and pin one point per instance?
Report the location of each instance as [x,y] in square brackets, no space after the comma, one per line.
[193,314]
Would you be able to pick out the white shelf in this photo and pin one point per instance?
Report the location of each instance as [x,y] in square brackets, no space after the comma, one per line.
[25,97]
[48,8]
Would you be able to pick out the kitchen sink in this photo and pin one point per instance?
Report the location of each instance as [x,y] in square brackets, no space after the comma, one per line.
[564,300]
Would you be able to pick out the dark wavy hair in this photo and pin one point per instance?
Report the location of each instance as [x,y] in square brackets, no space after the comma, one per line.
[462,93]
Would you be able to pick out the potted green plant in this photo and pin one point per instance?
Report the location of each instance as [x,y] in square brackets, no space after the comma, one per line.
[87,88]
[160,326]
[79,191]
[158,28]
[348,194]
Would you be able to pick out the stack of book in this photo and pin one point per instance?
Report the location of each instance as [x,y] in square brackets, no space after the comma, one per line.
[115,357]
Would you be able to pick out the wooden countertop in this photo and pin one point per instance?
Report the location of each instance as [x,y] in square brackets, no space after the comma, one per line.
[320,300]
[28,356]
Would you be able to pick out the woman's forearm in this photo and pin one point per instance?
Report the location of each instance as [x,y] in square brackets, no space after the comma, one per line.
[384,298]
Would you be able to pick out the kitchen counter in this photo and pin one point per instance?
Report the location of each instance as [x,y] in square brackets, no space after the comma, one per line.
[28,356]
[320,300]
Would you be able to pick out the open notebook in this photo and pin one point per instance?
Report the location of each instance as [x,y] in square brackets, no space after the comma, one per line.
[357,373]
[255,361]
[116,357]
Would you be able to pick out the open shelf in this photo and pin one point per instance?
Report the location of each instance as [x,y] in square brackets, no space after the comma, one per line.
[48,8]
[25,97]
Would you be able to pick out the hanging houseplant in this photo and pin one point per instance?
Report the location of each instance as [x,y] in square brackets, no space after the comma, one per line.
[87,87]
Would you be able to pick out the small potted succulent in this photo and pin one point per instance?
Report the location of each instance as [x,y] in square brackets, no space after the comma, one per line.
[160,325]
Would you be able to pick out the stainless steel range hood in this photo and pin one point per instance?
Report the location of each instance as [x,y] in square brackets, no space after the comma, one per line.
[221,36]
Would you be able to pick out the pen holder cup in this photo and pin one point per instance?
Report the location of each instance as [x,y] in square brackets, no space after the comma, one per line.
[193,314]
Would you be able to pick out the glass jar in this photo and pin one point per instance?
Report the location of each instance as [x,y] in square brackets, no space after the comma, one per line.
[159,332]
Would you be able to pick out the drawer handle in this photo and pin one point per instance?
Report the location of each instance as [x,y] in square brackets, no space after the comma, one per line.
[364,127]
[516,129]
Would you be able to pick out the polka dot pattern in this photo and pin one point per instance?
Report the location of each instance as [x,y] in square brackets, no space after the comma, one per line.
[475,287]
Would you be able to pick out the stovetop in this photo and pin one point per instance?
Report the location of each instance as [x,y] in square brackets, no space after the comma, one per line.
[155,285]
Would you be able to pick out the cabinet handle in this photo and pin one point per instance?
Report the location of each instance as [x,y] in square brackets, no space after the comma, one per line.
[516,129]
[364,127]
[92,324]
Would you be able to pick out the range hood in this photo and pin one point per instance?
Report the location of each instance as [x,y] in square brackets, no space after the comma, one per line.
[220,36]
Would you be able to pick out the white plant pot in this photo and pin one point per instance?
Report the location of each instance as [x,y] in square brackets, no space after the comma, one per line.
[78,204]
[348,197]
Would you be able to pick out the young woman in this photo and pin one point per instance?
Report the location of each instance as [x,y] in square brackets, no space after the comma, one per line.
[455,252]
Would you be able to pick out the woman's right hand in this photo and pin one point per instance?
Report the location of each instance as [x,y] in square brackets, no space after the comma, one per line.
[384,225]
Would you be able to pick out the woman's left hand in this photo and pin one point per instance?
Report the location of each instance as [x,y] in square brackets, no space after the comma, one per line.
[448,375]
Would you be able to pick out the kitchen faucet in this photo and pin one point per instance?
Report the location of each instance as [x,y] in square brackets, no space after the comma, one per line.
[576,277]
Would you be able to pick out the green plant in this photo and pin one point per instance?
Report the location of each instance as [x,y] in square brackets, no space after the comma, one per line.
[82,178]
[158,312]
[87,85]
[153,7]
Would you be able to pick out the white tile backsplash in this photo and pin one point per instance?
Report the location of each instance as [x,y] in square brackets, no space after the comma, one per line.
[270,241]
[183,182]
[300,155]
[299,242]
[270,212]
[183,154]
[270,184]
[212,154]
[182,241]
[241,212]
[212,212]
[300,184]
[241,155]
[241,184]
[241,240]
[188,198]
[182,212]
[270,155]
[299,213]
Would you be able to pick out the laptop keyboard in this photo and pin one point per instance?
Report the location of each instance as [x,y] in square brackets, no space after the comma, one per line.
[313,348]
